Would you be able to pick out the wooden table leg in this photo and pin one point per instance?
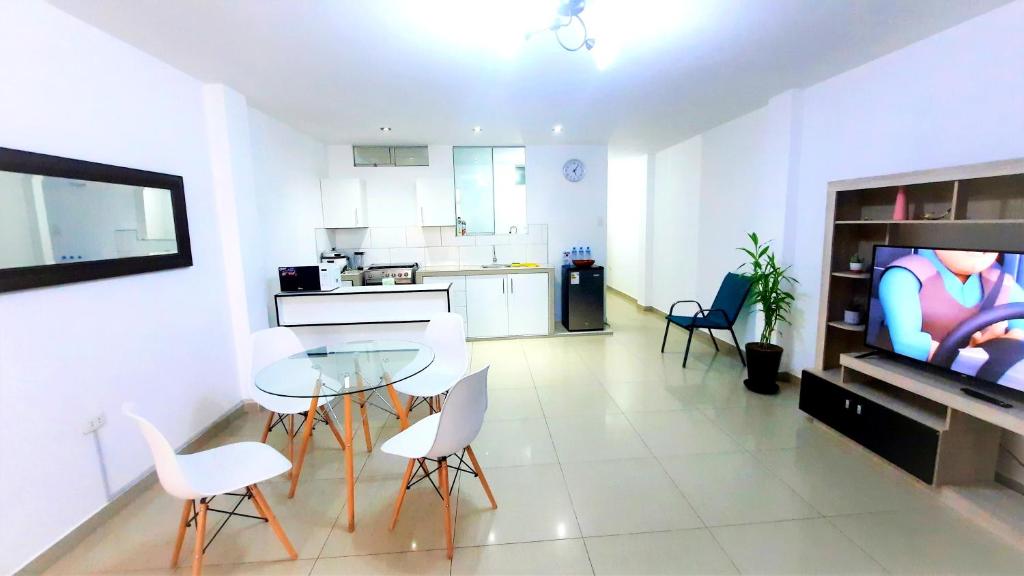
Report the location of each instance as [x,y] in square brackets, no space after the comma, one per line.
[266,427]
[307,433]
[402,417]
[366,421]
[350,477]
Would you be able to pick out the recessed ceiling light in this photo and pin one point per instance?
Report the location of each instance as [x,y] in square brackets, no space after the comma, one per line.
[557,128]
[477,129]
[385,128]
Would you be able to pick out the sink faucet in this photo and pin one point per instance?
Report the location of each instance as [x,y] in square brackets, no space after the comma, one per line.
[494,255]
[513,229]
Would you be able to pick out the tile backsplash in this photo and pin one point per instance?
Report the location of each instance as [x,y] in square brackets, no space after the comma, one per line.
[436,245]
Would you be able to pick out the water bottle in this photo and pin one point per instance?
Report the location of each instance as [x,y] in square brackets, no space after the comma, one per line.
[575,253]
[565,259]
[587,257]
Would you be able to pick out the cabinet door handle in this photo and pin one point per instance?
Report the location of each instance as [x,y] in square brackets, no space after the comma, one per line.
[502,285]
[422,220]
[355,213]
[847,404]
[858,409]
[512,284]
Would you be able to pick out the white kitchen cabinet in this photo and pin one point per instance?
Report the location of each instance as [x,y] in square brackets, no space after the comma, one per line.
[507,305]
[435,201]
[527,304]
[344,203]
[487,305]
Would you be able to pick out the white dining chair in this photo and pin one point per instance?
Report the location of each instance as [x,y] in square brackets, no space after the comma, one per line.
[269,346]
[200,477]
[446,336]
[440,437]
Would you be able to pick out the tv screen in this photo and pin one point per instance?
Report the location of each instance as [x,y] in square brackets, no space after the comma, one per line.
[955,309]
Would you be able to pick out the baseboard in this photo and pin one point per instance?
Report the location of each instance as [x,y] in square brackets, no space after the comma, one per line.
[121,500]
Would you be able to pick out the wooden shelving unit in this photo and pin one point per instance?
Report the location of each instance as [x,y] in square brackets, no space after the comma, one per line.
[986,210]
[916,418]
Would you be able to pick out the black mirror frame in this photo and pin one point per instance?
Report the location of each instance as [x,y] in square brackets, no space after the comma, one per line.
[52,274]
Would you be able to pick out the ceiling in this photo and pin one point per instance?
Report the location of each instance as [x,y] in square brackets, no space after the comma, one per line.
[341,69]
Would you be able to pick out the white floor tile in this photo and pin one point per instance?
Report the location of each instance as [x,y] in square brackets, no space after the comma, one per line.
[531,558]
[595,437]
[681,432]
[678,552]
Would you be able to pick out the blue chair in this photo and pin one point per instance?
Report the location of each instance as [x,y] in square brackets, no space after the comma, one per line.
[724,311]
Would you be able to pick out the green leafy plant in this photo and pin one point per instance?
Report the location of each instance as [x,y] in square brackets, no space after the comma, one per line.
[856,259]
[769,290]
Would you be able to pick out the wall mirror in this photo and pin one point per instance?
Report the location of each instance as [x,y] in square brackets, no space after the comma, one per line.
[490,189]
[64,220]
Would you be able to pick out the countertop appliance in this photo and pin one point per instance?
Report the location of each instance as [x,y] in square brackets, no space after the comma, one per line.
[582,298]
[404,273]
[334,256]
[321,278]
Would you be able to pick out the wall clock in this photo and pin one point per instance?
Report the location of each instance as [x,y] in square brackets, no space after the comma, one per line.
[573,170]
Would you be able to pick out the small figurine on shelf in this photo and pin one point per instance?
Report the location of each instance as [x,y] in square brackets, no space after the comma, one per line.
[856,263]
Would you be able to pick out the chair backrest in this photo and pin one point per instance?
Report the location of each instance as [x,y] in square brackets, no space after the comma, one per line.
[446,336]
[462,415]
[268,346]
[168,469]
[732,295]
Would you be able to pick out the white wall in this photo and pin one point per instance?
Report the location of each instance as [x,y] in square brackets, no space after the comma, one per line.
[955,98]
[627,215]
[68,353]
[287,168]
[674,216]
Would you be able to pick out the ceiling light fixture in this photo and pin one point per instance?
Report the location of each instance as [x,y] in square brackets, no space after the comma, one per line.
[557,129]
[385,128]
[568,12]
[477,129]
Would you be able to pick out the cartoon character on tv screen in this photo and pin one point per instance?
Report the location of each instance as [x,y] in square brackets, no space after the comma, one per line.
[956,309]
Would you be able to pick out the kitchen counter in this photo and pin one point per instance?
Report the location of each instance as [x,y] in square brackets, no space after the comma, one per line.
[455,270]
[362,305]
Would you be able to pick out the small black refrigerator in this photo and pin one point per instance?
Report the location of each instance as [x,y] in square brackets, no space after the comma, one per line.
[582,298]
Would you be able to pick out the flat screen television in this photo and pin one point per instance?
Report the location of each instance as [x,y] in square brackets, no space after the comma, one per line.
[957,310]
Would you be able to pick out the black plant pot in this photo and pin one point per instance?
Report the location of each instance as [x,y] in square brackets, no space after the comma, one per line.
[763,362]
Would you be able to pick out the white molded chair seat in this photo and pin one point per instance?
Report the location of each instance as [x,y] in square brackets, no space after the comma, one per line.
[416,440]
[231,467]
[446,336]
[440,436]
[199,477]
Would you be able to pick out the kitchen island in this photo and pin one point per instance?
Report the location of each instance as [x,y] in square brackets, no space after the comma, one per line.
[355,312]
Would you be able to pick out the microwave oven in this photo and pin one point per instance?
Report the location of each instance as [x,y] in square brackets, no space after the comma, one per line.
[321,278]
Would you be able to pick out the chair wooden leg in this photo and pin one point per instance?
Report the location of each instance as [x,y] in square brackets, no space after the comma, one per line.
[274,524]
[186,511]
[480,475]
[402,414]
[686,354]
[291,437]
[266,427]
[713,341]
[307,433]
[446,503]
[197,554]
[409,403]
[366,422]
[665,337]
[401,492]
[334,428]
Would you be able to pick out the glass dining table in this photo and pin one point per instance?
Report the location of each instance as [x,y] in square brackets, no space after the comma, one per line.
[354,369]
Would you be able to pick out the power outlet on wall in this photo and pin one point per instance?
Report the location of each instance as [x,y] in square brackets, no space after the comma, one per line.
[94,424]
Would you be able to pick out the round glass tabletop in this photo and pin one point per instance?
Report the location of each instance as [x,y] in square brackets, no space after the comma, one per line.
[346,369]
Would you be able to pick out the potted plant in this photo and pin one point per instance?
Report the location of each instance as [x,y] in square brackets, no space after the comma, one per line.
[768,291]
[856,263]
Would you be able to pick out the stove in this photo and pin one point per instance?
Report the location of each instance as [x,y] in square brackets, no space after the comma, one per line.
[404,273]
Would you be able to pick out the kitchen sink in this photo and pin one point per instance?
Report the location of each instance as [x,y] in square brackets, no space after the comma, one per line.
[496,266]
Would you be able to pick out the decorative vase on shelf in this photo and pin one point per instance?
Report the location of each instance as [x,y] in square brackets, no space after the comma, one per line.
[899,210]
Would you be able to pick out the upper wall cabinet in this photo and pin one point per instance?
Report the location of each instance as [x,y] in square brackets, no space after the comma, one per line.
[435,202]
[344,203]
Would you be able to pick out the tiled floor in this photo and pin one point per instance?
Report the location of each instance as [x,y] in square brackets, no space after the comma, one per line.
[605,457]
